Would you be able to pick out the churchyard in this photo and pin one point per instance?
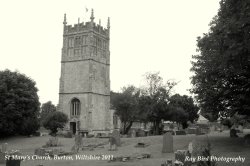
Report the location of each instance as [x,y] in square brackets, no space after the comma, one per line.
[137,151]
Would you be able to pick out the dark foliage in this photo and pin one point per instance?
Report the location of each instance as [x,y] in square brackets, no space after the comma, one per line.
[54,121]
[222,69]
[19,104]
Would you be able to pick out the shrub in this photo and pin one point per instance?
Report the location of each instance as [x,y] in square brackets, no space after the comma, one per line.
[54,121]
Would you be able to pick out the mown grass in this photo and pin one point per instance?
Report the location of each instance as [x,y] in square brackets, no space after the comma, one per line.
[222,145]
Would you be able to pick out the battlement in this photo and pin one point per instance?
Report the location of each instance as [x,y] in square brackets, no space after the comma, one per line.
[81,27]
[87,26]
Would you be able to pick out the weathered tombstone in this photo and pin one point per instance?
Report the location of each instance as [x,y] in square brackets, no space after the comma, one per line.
[5,147]
[133,133]
[190,148]
[247,139]
[167,143]
[78,142]
[112,142]
[13,162]
[233,133]
[2,157]
[117,137]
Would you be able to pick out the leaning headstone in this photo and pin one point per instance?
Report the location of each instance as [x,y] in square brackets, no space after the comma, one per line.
[167,143]
[5,147]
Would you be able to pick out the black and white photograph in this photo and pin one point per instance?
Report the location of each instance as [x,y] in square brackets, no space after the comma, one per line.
[125,83]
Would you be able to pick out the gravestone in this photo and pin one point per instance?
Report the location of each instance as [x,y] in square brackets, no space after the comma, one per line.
[117,137]
[114,140]
[5,147]
[2,157]
[13,162]
[133,133]
[167,143]
[78,142]
[247,139]
[190,148]
[233,133]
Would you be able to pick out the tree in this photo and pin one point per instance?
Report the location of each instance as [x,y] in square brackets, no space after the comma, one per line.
[222,68]
[178,115]
[186,103]
[54,121]
[125,105]
[46,109]
[158,94]
[19,104]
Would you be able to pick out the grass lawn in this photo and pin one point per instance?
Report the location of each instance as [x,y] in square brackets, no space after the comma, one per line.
[222,145]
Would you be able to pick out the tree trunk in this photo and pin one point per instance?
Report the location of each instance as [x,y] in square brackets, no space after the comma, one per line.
[128,127]
[156,127]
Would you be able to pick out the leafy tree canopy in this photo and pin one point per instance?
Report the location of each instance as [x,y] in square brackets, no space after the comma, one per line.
[47,108]
[19,104]
[222,67]
[126,104]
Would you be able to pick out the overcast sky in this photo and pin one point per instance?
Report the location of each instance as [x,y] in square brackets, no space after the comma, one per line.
[146,35]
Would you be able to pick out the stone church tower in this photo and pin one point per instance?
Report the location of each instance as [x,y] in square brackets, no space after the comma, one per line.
[84,93]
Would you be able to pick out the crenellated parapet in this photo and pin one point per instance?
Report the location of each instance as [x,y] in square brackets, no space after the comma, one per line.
[85,27]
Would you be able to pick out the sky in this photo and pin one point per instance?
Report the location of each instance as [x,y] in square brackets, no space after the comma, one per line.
[145,36]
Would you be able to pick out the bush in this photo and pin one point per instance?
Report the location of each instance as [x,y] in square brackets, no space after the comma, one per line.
[54,121]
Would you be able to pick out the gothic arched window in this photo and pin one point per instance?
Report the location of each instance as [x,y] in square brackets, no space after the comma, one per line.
[75,107]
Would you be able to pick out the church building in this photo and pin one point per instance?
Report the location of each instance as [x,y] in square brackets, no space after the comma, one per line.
[84,93]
